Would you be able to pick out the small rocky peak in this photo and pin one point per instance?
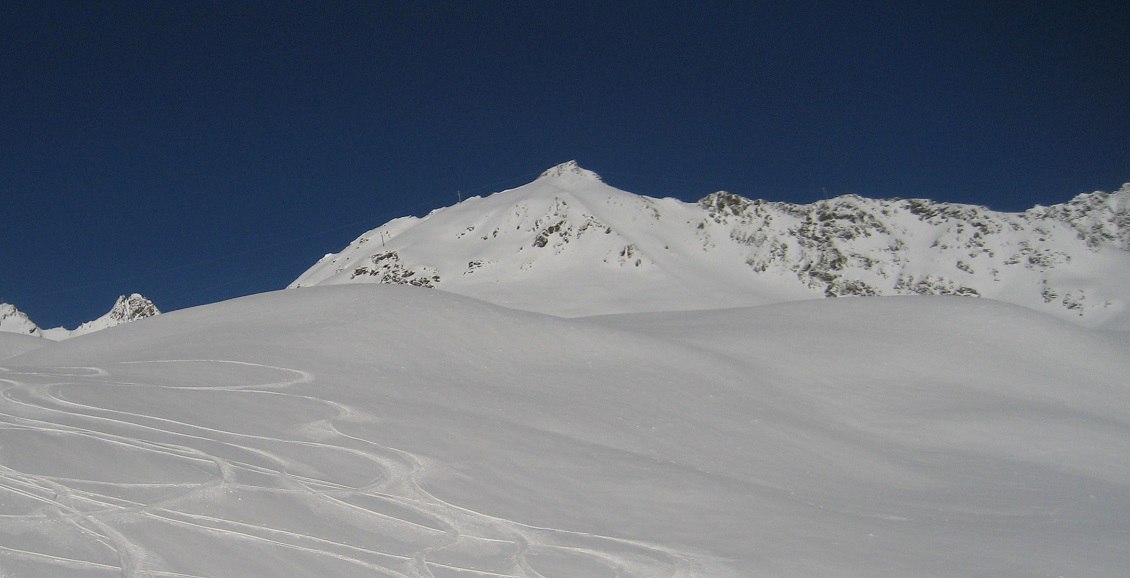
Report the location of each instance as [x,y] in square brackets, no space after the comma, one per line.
[569,169]
[15,321]
[132,308]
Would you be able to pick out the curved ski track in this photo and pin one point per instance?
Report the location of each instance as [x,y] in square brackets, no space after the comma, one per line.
[323,498]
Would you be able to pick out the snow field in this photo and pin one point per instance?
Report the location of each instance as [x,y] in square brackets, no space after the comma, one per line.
[386,430]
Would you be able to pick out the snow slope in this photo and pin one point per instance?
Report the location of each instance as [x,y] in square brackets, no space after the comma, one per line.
[395,431]
[569,244]
[12,344]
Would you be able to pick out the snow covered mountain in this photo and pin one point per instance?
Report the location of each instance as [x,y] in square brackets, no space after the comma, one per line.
[569,244]
[375,428]
[125,309]
[13,320]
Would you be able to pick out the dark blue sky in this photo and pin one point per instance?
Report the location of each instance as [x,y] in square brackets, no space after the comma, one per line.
[197,151]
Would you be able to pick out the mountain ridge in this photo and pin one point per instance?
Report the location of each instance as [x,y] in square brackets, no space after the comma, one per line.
[569,244]
[13,320]
[126,308]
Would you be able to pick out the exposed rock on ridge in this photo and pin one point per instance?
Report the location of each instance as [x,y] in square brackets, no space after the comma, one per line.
[125,309]
[570,244]
[132,308]
[13,320]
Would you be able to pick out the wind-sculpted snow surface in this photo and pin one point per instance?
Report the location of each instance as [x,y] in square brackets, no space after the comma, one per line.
[396,431]
[569,244]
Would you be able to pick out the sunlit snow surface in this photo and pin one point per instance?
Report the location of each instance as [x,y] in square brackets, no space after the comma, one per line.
[384,430]
[568,244]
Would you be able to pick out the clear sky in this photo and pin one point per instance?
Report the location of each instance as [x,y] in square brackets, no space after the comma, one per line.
[197,151]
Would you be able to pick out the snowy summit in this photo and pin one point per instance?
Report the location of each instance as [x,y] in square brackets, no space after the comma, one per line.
[570,244]
[412,411]
[125,309]
[569,170]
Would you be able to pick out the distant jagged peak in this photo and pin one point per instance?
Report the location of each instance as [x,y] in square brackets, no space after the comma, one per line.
[132,308]
[15,321]
[127,308]
[569,169]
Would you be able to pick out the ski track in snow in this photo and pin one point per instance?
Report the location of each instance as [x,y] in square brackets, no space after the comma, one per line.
[106,527]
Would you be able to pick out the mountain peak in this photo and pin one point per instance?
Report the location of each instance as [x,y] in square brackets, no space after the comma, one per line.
[132,308]
[15,321]
[125,309]
[569,169]
[569,244]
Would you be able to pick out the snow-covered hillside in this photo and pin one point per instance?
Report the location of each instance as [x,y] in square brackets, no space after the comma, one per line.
[394,431]
[719,420]
[569,244]
[125,309]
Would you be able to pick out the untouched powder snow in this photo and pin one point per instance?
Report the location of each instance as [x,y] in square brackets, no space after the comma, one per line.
[15,343]
[395,431]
